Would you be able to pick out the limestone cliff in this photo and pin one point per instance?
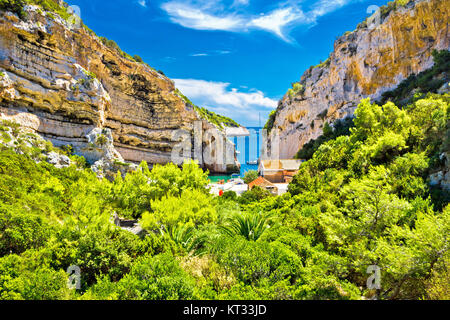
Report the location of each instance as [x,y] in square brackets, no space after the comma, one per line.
[371,60]
[60,80]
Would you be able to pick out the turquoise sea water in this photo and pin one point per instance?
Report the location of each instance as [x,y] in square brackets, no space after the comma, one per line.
[241,148]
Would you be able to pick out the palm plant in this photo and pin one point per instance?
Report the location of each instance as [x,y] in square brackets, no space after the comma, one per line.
[249,225]
[184,236]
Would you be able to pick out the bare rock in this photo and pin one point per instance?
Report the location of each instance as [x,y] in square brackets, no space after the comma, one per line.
[58,160]
[364,63]
[70,84]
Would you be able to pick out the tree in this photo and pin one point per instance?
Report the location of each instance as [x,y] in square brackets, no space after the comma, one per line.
[191,209]
[253,195]
[138,58]
[250,176]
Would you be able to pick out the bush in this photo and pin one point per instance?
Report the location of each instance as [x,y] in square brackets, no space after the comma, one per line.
[271,121]
[340,128]
[251,176]
[21,231]
[253,262]
[15,6]
[297,88]
[101,140]
[151,278]
[192,208]
[138,59]
[254,195]
[229,195]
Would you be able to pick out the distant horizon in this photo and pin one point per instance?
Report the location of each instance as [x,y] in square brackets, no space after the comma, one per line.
[234,57]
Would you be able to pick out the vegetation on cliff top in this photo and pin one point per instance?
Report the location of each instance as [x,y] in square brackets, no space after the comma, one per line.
[385,10]
[297,89]
[212,117]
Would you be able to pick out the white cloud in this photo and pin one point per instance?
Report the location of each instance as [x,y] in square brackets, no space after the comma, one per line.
[230,102]
[193,18]
[323,7]
[212,53]
[277,20]
[169,59]
[143,3]
[212,15]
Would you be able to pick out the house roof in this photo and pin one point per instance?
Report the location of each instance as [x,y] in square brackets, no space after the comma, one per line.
[261,182]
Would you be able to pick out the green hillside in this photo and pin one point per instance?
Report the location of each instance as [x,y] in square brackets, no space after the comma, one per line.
[362,200]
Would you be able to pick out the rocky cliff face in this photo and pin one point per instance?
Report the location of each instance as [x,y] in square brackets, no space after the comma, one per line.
[365,63]
[61,81]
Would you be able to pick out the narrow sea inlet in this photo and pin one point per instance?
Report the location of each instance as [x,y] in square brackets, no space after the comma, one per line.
[247,153]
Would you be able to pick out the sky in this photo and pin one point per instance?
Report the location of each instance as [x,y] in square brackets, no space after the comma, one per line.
[234,57]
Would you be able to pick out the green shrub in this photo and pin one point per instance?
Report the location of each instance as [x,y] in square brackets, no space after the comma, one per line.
[340,128]
[251,176]
[15,6]
[192,209]
[270,122]
[101,140]
[229,195]
[254,195]
[21,231]
[138,59]
[151,278]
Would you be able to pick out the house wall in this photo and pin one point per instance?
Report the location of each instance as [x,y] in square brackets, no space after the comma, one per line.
[274,177]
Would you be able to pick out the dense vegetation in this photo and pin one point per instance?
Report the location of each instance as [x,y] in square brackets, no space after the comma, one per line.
[339,128]
[251,176]
[363,199]
[17,6]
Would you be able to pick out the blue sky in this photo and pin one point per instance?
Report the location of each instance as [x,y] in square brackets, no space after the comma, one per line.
[234,57]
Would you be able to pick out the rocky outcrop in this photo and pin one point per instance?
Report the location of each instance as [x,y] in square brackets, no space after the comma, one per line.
[61,81]
[441,178]
[58,160]
[365,63]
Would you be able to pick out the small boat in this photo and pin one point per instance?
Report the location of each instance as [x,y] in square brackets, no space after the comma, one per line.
[252,162]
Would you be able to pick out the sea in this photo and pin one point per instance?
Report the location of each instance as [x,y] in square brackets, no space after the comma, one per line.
[253,153]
